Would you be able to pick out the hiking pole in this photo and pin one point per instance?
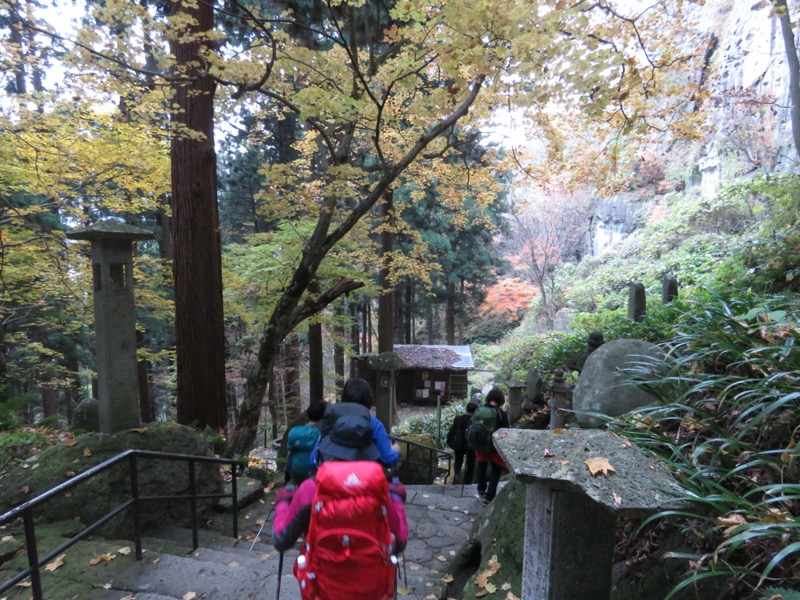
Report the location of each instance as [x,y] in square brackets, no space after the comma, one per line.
[255,539]
[280,576]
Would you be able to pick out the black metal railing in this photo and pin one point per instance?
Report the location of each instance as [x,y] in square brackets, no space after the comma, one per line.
[435,456]
[25,511]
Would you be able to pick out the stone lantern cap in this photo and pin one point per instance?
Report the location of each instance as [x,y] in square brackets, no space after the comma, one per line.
[110,229]
[516,384]
[638,486]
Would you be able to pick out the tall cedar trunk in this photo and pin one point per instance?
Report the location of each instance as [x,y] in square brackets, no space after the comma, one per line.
[291,368]
[354,339]
[793,63]
[200,340]
[409,320]
[316,378]
[450,314]
[364,325]
[386,298]
[339,334]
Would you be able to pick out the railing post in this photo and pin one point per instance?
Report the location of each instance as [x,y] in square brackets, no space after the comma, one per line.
[137,523]
[33,555]
[235,501]
[193,490]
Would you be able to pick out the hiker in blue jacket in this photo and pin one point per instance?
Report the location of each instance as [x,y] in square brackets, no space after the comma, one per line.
[300,442]
[357,399]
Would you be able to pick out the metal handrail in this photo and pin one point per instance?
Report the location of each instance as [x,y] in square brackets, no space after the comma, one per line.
[439,453]
[25,510]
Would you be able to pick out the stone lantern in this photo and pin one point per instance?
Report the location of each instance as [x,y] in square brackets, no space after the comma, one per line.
[114,321]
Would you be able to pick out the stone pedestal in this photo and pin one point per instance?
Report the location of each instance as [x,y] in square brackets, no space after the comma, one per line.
[115,321]
[570,514]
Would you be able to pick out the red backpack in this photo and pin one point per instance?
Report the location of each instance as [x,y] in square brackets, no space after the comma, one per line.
[348,549]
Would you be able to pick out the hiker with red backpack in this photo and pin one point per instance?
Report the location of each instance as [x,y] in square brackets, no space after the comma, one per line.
[353,520]
[485,421]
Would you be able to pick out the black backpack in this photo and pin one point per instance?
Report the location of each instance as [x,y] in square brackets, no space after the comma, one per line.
[457,436]
[484,423]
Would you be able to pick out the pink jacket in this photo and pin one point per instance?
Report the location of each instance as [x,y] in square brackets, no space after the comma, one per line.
[293,518]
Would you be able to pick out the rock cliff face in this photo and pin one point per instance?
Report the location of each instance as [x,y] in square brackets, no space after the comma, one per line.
[748,129]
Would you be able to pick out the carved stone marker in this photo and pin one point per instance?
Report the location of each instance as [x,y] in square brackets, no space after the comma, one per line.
[533,393]
[669,288]
[637,302]
[515,394]
[114,321]
[570,515]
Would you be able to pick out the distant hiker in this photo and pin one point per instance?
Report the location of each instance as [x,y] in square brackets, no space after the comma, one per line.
[357,399]
[457,440]
[487,419]
[353,521]
[300,442]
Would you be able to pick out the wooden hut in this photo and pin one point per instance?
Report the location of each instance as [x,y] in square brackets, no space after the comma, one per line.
[428,374]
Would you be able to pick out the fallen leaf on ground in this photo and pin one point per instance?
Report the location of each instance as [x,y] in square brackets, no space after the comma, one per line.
[548,453]
[482,579]
[87,452]
[510,596]
[563,462]
[155,561]
[491,588]
[447,578]
[24,584]
[599,464]
[106,586]
[494,564]
[7,538]
[34,467]
[128,598]
[55,563]
[413,567]
[70,441]
[505,586]
[102,558]
[190,596]
[731,519]
[233,564]
[403,590]
[617,498]
[126,550]
[481,593]
[441,558]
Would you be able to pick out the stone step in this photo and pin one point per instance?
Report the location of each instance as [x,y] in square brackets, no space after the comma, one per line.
[440,519]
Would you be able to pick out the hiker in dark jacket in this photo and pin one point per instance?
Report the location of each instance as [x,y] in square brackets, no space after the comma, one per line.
[457,440]
[492,462]
[357,400]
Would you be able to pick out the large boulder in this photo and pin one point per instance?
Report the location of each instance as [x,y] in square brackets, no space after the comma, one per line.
[603,387]
[92,499]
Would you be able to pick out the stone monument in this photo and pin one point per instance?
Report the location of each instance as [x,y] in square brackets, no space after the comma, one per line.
[114,321]
[578,484]
[637,302]
[669,288]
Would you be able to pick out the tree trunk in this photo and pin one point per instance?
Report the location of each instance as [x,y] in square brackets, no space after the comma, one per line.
[291,367]
[339,334]
[450,314]
[316,377]
[200,338]
[354,337]
[793,63]
[386,298]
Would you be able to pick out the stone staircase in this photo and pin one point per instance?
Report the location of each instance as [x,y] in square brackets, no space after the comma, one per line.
[223,567]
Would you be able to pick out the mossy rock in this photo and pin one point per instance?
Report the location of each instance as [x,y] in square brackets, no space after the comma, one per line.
[496,539]
[96,497]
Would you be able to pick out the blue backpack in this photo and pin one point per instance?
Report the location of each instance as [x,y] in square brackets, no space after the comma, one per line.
[300,443]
